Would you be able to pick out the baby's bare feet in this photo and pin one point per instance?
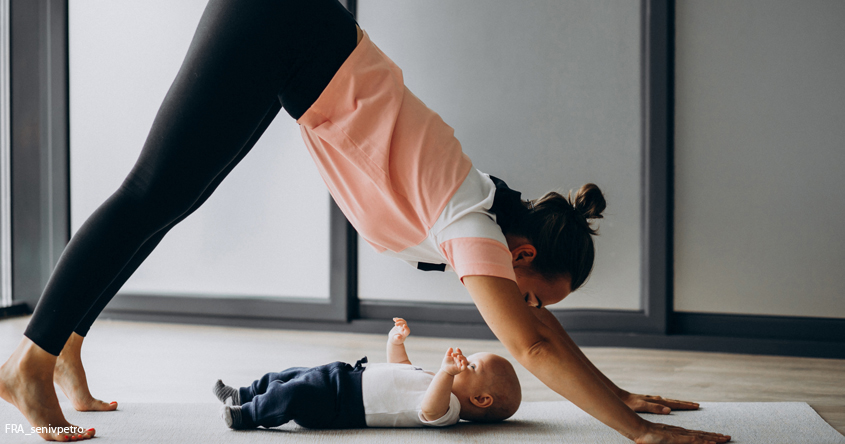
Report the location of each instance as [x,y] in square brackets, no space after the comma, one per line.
[69,375]
[26,381]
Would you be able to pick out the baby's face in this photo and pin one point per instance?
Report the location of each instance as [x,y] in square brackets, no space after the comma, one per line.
[477,377]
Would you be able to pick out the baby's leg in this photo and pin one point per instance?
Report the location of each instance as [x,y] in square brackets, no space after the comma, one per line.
[309,397]
[232,396]
[260,386]
[324,397]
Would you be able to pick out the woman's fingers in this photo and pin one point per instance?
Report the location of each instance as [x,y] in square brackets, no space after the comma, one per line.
[662,433]
[673,404]
[658,409]
[708,437]
[657,404]
[699,434]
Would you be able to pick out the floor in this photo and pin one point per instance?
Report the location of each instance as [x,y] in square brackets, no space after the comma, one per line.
[150,362]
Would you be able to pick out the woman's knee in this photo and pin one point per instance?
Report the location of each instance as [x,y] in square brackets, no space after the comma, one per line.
[154,205]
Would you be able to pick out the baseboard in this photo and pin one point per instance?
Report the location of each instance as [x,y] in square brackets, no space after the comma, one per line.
[690,342]
[789,328]
[19,309]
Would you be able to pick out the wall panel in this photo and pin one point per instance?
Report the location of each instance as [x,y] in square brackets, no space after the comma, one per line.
[759,151]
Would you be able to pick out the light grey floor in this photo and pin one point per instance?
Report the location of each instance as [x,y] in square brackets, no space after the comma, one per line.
[134,362]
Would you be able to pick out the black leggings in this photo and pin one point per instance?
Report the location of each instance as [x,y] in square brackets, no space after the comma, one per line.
[247,59]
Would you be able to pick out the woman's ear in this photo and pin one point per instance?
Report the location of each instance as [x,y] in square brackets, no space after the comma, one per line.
[523,255]
[482,401]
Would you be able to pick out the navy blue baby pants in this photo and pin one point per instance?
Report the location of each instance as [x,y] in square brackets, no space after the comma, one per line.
[324,397]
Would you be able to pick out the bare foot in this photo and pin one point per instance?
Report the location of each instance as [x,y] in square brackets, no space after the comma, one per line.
[70,377]
[26,381]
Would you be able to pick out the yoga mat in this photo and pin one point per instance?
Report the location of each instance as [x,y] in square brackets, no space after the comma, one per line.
[535,422]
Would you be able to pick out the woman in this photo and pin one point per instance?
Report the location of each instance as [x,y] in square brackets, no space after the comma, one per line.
[392,165]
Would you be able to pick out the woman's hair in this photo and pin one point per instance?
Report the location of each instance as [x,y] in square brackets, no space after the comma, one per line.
[559,228]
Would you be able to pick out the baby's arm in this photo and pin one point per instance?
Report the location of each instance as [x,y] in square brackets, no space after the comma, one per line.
[436,401]
[396,342]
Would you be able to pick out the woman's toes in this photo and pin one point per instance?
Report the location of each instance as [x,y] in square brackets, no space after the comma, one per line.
[95,405]
[101,406]
[88,434]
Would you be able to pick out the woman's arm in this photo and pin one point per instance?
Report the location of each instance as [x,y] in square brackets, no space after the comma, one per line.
[639,403]
[545,354]
[549,320]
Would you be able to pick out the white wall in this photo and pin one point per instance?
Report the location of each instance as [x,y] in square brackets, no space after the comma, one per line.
[760,150]
[265,231]
[544,94]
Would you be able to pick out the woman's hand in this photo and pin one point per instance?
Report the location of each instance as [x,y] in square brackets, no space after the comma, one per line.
[655,404]
[454,362]
[666,434]
[399,332]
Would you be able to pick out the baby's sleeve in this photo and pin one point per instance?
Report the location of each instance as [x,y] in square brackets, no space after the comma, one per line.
[452,416]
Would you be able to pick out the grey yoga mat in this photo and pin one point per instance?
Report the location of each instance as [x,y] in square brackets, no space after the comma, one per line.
[535,422]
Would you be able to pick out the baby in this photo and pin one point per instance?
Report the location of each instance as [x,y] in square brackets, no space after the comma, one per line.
[482,387]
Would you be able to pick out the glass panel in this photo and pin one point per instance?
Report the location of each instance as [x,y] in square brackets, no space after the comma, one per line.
[544,94]
[265,231]
[759,199]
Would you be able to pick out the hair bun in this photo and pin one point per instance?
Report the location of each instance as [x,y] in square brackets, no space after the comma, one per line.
[589,201]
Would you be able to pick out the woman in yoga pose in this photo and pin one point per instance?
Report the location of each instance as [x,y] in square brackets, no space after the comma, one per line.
[394,168]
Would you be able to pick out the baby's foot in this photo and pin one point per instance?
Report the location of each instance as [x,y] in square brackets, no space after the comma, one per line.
[227,395]
[231,415]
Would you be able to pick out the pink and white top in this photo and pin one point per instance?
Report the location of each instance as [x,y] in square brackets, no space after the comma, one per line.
[397,171]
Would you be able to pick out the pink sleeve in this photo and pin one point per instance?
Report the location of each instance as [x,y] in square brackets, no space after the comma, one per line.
[478,256]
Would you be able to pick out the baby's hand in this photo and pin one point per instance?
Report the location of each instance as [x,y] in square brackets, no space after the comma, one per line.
[454,362]
[399,332]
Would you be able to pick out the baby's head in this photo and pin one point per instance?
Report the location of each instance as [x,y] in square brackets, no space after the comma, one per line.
[488,389]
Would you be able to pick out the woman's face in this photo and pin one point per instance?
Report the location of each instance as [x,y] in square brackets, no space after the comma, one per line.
[539,292]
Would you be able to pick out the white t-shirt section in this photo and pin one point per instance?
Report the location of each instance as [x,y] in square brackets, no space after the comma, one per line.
[393,396]
[466,215]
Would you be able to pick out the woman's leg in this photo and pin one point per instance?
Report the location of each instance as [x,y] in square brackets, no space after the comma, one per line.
[243,55]
[84,325]
[69,373]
